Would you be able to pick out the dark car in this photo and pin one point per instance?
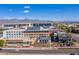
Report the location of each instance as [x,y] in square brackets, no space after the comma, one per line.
[72,53]
[0,48]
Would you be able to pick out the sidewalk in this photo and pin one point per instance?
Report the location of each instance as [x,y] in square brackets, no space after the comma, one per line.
[33,48]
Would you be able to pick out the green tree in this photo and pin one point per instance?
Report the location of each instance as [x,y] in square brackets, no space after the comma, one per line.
[52,36]
[61,44]
[1,30]
[2,42]
[70,42]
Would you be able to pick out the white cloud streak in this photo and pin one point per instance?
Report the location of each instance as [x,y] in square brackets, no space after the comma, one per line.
[26,6]
[26,11]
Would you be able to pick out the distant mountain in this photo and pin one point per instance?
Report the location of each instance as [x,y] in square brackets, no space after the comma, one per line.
[71,21]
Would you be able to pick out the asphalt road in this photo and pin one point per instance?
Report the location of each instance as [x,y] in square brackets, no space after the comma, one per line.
[37,52]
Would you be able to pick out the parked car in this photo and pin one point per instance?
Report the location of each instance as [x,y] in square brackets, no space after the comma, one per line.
[0,48]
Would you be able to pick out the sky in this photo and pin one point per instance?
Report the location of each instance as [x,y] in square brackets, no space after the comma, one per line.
[54,12]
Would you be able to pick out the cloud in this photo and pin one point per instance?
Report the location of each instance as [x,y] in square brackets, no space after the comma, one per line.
[26,11]
[26,6]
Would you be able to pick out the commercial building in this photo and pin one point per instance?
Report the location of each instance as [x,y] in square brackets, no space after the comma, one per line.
[44,39]
[14,37]
[28,36]
[36,32]
[25,32]
[41,34]
[13,33]
[61,35]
